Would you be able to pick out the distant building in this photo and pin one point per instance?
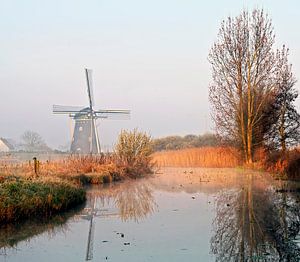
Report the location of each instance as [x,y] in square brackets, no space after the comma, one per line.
[5,145]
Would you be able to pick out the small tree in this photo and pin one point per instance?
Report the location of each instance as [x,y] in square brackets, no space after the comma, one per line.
[282,116]
[32,141]
[133,152]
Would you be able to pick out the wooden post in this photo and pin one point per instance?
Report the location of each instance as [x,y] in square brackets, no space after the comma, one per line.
[35,165]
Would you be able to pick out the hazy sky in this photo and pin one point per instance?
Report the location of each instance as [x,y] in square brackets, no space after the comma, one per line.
[147,56]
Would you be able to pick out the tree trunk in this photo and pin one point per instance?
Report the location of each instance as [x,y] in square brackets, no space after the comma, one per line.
[241,113]
[249,115]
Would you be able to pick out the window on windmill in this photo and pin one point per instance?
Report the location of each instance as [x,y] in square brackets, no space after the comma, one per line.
[80,128]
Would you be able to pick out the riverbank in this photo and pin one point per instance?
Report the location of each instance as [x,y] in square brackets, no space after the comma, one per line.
[37,189]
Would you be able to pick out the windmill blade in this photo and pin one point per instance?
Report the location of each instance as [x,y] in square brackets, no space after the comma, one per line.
[88,73]
[90,242]
[113,111]
[113,114]
[59,109]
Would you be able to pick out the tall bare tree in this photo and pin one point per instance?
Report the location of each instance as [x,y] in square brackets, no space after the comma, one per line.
[243,68]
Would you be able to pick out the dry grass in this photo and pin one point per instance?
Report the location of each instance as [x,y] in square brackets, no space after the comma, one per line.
[82,169]
[198,157]
[79,169]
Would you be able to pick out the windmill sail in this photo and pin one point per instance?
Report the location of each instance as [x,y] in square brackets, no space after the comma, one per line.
[113,114]
[59,109]
[88,73]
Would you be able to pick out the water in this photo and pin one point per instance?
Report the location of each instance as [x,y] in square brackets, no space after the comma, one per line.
[177,215]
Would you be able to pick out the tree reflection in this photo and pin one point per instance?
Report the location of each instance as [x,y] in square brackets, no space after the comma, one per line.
[136,203]
[128,200]
[256,223]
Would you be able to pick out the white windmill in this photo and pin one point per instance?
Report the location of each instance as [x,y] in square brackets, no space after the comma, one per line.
[85,138]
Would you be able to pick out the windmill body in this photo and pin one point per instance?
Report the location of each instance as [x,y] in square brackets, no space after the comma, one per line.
[85,138]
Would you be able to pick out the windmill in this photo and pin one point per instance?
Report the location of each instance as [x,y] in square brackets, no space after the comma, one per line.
[85,138]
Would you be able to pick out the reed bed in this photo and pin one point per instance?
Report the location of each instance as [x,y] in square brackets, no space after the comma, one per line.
[216,157]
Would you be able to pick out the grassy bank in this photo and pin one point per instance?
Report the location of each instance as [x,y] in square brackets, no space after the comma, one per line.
[22,199]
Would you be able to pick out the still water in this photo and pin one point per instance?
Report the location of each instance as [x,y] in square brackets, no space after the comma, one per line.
[176,215]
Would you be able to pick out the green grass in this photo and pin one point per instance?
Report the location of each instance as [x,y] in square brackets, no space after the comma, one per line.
[22,199]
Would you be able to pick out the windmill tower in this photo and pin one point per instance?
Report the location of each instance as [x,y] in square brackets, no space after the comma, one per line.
[85,138]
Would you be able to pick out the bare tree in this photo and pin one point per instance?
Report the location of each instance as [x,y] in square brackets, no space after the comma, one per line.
[243,68]
[32,141]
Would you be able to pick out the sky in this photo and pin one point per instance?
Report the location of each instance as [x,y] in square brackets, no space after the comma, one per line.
[147,56]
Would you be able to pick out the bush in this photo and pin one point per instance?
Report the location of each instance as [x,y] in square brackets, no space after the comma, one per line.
[133,153]
[188,141]
[287,166]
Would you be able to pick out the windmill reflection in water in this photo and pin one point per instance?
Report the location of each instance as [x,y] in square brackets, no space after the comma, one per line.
[129,200]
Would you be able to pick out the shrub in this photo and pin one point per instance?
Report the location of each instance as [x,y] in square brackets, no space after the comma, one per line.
[133,153]
[287,166]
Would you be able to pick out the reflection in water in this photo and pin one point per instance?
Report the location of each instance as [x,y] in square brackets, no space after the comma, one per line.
[12,234]
[128,200]
[252,221]
[136,203]
[132,201]
[256,223]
